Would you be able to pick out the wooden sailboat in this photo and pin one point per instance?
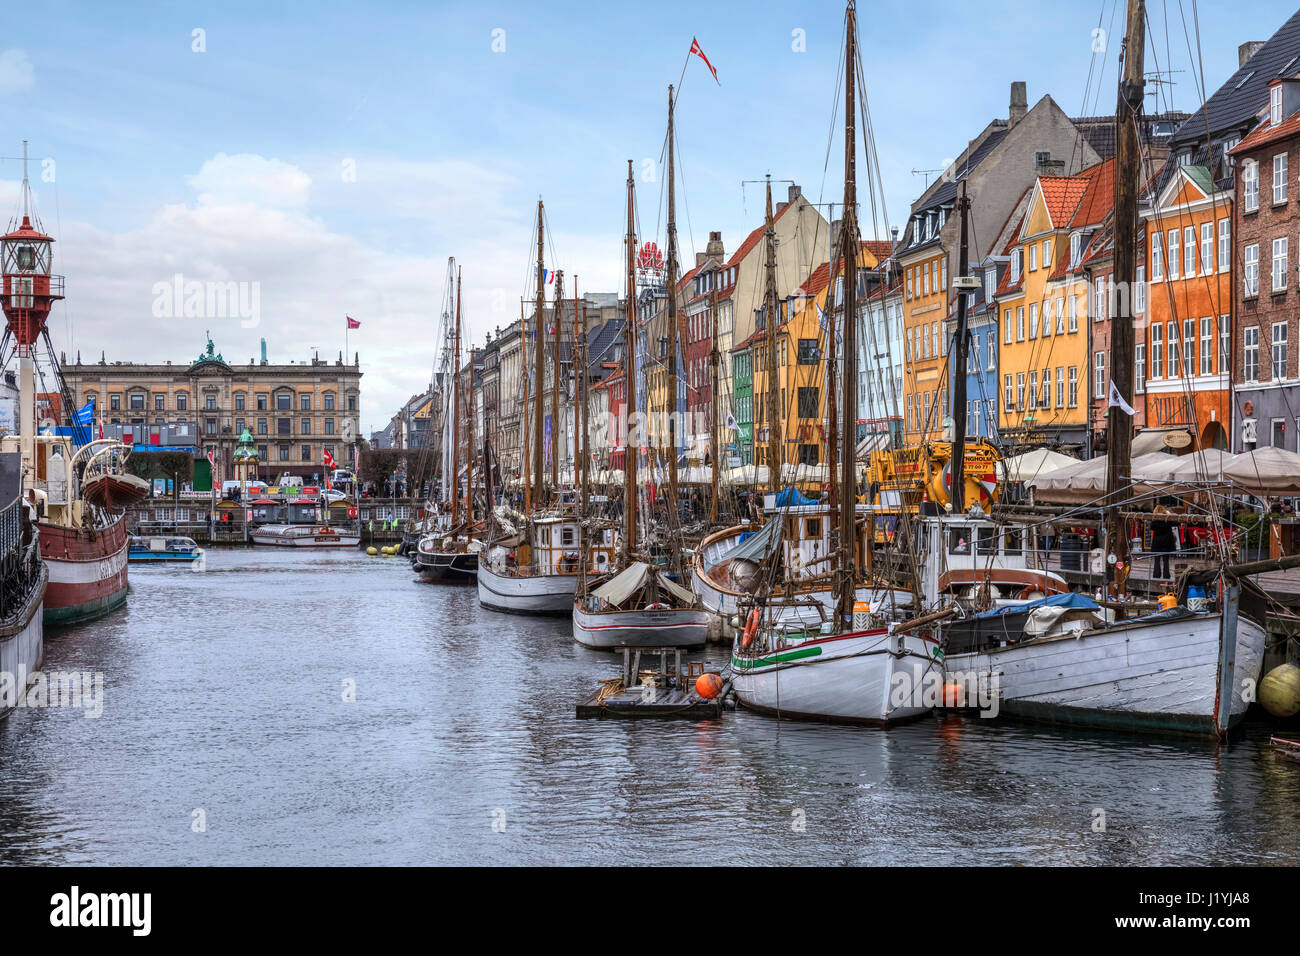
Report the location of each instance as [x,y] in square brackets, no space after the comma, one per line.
[851,666]
[1064,658]
[533,562]
[450,554]
[638,604]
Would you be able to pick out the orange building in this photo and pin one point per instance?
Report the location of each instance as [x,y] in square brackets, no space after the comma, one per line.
[1183,361]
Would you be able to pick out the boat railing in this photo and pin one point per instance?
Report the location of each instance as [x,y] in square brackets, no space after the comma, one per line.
[20,565]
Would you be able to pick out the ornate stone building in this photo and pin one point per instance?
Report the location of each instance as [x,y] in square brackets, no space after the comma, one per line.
[294,411]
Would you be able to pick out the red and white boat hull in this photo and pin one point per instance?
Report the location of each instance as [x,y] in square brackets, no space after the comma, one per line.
[87,571]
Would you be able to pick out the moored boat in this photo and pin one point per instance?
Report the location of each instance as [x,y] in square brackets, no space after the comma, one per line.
[305,536]
[639,607]
[156,548]
[23,581]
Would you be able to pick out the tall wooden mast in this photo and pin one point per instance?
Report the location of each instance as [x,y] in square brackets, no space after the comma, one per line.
[579,366]
[630,438]
[846,570]
[539,490]
[1119,424]
[713,407]
[957,464]
[525,461]
[771,310]
[672,324]
[455,416]
[558,308]
[469,441]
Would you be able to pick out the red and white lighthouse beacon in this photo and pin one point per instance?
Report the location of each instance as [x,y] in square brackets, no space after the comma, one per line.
[28,290]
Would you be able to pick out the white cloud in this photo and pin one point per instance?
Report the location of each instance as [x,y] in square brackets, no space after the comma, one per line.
[247,177]
[16,71]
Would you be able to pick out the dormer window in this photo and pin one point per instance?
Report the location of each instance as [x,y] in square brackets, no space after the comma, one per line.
[1015,266]
[1075,242]
[1275,104]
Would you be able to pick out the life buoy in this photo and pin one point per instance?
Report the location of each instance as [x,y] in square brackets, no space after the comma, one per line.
[751,628]
[657,606]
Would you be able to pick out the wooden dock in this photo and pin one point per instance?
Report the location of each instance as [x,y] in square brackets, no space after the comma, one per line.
[665,694]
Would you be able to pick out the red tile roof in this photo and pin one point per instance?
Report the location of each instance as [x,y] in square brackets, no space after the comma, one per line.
[1263,134]
[752,239]
[1061,195]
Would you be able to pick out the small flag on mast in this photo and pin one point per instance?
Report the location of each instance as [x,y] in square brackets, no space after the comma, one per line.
[695,48]
[731,421]
[352,323]
[1116,399]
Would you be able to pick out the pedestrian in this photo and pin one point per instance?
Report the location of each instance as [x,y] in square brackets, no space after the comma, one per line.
[1162,541]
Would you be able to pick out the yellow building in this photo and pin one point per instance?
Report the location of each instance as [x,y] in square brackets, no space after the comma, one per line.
[801,350]
[925,340]
[1043,304]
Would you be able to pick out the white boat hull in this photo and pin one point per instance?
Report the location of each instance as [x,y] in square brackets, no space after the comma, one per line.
[668,627]
[526,594]
[302,536]
[848,678]
[1176,676]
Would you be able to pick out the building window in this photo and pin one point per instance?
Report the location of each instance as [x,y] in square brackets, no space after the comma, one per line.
[1015,267]
[1020,391]
[352,403]
[159,403]
[1060,386]
[1045,389]
[1189,347]
[808,402]
[329,401]
[1140,367]
[1207,345]
[1099,373]
[261,426]
[1074,386]
[1033,320]
[1033,390]
[210,402]
[1207,248]
[1009,392]
[1189,252]
[1020,323]
[1099,300]
[240,401]
[1157,258]
[284,452]
[306,453]
[306,427]
[1174,354]
[1074,250]
[137,402]
[1140,291]
[329,423]
[1279,264]
[304,403]
[1173,253]
[1279,179]
[1250,185]
[1006,325]
[261,403]
[1225,244]
[1074,313]
[210,426]
[262,452]
[1250,354]
[1033,257]
[807,352]
[283,426]
[283,402]
[1250,273]
[1060,316]
[1275,104]
[1279,351]
[115,403]
[1157,351]
[239,426]
[1225,333]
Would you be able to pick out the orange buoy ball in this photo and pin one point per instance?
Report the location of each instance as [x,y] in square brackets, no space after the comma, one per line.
[708,686]
[952,694]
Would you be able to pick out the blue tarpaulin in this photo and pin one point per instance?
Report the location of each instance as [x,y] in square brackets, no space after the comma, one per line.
[791,498]
[1074,602]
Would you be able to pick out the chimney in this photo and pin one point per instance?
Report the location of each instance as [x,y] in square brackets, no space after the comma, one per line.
[714,249]
[835,234]
[1247,50]
[1019,103]
[794,192]
[701,258]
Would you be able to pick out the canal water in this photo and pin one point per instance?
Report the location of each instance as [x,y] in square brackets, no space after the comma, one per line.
[227,737]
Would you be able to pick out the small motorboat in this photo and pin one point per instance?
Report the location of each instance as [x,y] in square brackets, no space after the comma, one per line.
[158,548]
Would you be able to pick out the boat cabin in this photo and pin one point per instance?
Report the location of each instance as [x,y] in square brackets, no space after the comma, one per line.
[982,560]
[556,546]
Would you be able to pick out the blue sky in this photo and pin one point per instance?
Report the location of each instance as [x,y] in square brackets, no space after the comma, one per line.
[228,164]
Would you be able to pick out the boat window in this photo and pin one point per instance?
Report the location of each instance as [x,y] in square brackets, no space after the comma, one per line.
[1013,542]
[545,536]
[812,527]
[984,540]
[566,537]
[958,542]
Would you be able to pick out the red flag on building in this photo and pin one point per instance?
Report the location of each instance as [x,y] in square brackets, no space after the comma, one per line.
[352,323]
[329,460]
[695,48]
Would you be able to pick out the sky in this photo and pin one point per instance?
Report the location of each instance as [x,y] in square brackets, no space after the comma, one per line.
[328,158]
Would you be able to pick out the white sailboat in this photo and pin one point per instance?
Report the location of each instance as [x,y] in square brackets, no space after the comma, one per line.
[641,606]
[851,666]
[1063,658]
